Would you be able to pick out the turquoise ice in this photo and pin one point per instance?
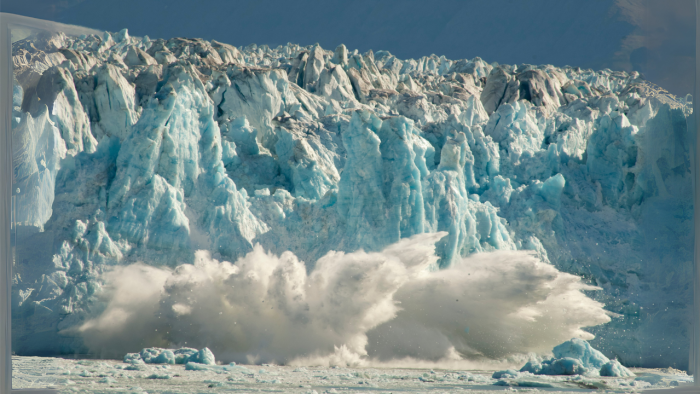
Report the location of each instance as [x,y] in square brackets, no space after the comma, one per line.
[130,149]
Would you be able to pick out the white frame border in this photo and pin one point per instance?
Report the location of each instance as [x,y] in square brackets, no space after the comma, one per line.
[7,22]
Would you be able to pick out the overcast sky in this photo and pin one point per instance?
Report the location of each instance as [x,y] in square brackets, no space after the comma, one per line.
[655,37]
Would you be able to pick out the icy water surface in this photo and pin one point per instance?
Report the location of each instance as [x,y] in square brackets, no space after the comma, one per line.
[103,376]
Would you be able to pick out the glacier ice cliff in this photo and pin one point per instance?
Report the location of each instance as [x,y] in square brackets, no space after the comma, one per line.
[129,149]
[171,356]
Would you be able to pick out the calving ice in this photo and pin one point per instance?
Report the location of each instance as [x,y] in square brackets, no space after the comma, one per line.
[350,309]
[298,205]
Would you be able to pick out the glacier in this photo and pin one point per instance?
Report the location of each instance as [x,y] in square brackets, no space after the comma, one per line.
[131,150]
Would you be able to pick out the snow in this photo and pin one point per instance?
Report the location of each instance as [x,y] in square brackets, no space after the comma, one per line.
[150,167]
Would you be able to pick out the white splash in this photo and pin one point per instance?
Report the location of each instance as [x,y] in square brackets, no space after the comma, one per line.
[352,309]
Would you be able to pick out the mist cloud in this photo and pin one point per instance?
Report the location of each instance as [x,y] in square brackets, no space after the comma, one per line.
[353,308]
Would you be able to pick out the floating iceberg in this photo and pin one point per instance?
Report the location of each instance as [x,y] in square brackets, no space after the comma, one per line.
[575,357]
[614,368]
[171,356]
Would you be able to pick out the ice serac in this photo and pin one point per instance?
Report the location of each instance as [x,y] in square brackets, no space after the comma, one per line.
[114,102]
[611,156]
[403,153]
[306,161]
[174,154]
[495,89]
[37,151]
[335,84]
[314,65]
[228,53]
[540,89]
[259,95]
[147,209]
[56,89]
[361,200]
[473,226]
[138,57]
[132,149]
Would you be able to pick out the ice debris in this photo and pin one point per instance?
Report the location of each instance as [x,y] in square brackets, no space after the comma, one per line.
[575,357]
[554,366]
[614,368]
[507,373]
[171,356]
[232,367]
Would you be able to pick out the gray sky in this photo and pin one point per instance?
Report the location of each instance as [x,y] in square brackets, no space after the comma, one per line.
[655,37]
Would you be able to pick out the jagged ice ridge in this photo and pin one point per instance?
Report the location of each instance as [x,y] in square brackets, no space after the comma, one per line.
[131,150]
